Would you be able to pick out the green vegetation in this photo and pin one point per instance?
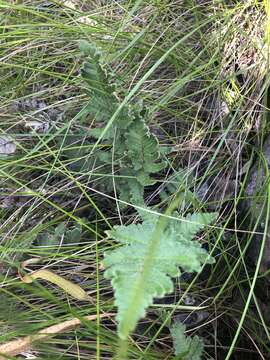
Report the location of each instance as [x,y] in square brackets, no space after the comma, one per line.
[150,251]
[186,347]
[133,149]
[134,168]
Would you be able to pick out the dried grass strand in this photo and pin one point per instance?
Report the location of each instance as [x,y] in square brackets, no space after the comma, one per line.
[15,347]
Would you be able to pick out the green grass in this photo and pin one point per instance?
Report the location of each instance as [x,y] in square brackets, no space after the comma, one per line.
[176,56]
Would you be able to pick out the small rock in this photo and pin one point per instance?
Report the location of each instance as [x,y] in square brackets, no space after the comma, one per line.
[7,145]
[38,126]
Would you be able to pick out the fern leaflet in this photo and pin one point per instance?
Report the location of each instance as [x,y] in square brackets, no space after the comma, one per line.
[185,347]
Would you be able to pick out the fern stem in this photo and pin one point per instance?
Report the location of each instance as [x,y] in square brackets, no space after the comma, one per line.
[122,350]
[139,287]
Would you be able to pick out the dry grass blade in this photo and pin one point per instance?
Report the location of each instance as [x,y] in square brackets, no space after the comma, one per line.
[73,289]
[15,347]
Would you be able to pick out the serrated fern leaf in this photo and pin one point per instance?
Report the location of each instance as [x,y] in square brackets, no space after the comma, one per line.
[131,190]
[149,255]
[185,348]
[190,225]
[95,75]
[103,103]
[143,149]
[143,161]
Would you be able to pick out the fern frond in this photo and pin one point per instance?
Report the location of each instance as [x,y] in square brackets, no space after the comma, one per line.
[185,347]
[103,103]
[130,190]
[142,267]
[136,151]
[143,149]
[94,74]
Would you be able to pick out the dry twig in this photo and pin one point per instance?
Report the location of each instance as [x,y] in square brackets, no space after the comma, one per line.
[15,347]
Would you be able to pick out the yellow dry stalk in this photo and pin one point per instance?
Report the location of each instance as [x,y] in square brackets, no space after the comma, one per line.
[16,347]
[69,287]
[266,4]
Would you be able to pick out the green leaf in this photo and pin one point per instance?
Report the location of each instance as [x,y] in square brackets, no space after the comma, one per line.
[143,149]
[96,77]
[185,348]
[142,267]
[88,49]
[74,234]
[60,229]
[103,103]
[96,132]
[61,235]
[131,191]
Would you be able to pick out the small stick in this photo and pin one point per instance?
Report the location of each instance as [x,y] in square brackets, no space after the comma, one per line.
[15,347]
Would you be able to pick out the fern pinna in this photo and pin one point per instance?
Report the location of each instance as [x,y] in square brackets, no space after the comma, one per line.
[185,347]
